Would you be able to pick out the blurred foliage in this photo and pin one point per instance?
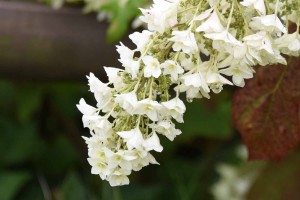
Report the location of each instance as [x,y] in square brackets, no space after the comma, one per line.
[11,182]
[120,13]
[44,157]
[121,16]
[214,119]
[285,178]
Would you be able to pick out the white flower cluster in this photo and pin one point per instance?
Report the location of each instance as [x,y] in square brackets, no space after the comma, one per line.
[192,46]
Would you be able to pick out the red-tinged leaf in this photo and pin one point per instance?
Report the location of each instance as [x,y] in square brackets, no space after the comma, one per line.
[267,111]
[278,181]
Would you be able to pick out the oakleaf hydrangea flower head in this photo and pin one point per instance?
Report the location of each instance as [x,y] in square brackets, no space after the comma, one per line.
[192,46]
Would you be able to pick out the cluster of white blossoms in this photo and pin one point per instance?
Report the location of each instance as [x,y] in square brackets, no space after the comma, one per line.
[191,46]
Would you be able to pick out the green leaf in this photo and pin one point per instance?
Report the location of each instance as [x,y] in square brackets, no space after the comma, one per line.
[122,15]
[73,188]
[137,192]
[106,191]
[17,143]
[29,100]
[66,96]
[11,183]
[32,191]
[117,29]
[7,95]
[202,119]
[58,157]
[266,111]
[113,193]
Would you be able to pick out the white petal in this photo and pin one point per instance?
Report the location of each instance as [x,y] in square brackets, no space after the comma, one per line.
[153,143]
[85,109]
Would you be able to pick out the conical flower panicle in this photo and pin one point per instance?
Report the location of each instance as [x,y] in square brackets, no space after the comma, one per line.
[136,106]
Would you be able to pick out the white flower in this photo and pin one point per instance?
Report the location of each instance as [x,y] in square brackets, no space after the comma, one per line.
[149,108]
[252,56]
[239,52]
[192,92]
[133,138]
[259,41]
[150,159]
[152,143]
[175,108]
[161,16]
[113,76]
[152,67]
[167,128]
[86,109]
[96,142]
[276,58]
[238,73]
[268,23]
[224,36]
[126,58]
[99,167]
[127,101]
[138,154]
[289,44]
[91,121]
[119,177]
[185,41]
[101,91]
[259,5]
[172,68]
[97,151]
[119,158]
[125,53]
[196,80]
[143,161]
[98,126]
[216,81]
[211,25]
[268,53]
[140,39]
